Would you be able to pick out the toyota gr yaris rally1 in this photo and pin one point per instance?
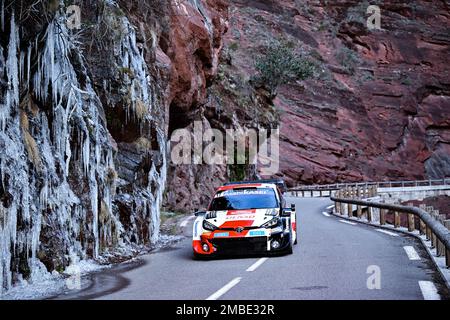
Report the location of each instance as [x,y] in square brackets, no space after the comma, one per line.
[245,218]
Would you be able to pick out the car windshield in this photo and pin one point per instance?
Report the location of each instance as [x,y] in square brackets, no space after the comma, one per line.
[241,199]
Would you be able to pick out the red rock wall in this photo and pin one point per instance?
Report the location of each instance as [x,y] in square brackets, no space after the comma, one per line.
[386,118]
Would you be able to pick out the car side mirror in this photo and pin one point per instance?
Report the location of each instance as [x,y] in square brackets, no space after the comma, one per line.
[292,206]
[200,213]
[286,212]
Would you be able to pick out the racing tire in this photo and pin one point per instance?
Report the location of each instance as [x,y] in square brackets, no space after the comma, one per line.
[290,249]
[296,233]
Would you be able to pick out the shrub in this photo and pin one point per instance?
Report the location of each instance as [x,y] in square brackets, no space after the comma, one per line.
[280,65]
[348,59]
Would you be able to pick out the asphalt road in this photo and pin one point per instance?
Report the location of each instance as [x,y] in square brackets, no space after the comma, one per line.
[331,261]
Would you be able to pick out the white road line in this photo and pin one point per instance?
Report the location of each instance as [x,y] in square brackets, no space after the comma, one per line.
[224,289]
[186,221]
[411,252]
[387,232]
[429,290]
[329,207]
[326,214]
[255,266]
[348,222]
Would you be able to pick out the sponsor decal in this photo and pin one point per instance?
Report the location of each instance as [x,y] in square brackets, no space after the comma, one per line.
[241,217]
[221,234]
[257,233]
[244,192]
[239,212]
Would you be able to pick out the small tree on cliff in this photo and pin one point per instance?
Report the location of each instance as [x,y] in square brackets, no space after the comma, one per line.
[279,65]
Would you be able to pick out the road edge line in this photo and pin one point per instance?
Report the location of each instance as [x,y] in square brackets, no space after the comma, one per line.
[411,253]
[429,290]
[392,234]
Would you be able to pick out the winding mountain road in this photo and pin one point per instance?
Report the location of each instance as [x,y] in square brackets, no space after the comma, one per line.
[334,259]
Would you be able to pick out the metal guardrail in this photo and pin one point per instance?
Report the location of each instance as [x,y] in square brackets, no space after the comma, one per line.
[434,230]
[378,184]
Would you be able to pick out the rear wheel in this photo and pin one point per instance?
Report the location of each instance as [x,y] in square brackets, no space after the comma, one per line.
[289,249]
[296,234]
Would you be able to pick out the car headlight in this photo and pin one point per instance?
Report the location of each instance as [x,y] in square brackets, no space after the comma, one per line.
[208,226]
[211,215]
[271,212]
[271,223]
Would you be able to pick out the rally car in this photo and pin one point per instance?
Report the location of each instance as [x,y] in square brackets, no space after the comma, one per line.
[245,218]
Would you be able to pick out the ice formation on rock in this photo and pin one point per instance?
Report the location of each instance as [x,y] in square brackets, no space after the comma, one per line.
[57,160]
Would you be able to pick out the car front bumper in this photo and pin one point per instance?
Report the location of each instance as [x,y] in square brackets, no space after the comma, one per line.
[227,243]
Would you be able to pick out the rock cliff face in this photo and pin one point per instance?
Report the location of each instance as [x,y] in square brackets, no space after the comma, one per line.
[207,87]
[85,118]
[379,107]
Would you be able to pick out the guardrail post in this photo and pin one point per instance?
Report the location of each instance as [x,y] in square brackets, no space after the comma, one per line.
[427,232]
[396,219]
[431,211]
[447,251]
[358,211]
[433,240]
[383,217]
[440,248]
[369,214]
[411,222]
[422,227]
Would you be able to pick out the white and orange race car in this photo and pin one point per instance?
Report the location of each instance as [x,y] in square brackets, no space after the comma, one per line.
[245,218]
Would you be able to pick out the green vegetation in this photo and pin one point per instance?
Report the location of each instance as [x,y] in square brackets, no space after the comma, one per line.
[237,172]
[234,46]
[281,64]
[405,79]
[348,59]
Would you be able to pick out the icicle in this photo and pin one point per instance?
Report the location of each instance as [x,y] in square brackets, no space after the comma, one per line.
[11,66]
[75,113]
[94,206]
[2,16]
[28,67]
[86,153]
